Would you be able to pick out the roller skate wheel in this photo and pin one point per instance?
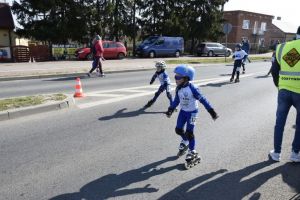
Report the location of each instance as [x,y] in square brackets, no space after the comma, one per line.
[187,165]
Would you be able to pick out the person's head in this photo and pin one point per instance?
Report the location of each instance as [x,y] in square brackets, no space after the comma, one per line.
[98,37]
[238,47]
[160,65]
[184,74]
[298,34]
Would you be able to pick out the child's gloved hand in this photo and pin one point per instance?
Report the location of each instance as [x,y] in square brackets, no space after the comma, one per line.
[213,114]
[169,112]
[151,82]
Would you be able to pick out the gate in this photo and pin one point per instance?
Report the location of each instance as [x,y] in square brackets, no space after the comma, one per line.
[21,53]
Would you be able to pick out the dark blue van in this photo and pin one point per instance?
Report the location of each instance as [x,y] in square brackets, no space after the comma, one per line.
[156,46]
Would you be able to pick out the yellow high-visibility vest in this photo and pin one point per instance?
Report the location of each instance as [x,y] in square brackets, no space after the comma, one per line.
[288,57]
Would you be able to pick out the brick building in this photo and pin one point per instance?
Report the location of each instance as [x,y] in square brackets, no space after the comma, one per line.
[250,26]
[282,31]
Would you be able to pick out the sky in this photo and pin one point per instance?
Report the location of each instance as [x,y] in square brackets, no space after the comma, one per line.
[288,10]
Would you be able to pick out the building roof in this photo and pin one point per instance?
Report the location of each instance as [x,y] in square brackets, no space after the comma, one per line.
[243,11]
[285,26]
[6,19]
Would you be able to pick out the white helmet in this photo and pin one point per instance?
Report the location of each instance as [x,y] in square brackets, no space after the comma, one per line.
[160,64]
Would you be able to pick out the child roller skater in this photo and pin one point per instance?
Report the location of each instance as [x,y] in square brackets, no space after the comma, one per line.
[187,95]
[238,56]
[165,82]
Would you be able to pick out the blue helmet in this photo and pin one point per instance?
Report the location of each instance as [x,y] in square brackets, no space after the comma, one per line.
[186,71]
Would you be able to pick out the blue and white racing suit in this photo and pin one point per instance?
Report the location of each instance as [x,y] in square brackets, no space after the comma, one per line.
[187,97]
[238,56]
[164,84]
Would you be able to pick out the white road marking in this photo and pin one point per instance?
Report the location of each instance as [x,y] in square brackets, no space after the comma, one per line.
[94,94]
[141,93]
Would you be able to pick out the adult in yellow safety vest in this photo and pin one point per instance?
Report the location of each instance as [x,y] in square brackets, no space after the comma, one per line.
[286,76]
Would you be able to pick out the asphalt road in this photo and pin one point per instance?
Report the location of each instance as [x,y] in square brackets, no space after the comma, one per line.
[116,150]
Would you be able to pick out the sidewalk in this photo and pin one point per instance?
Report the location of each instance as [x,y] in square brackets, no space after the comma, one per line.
[16,71]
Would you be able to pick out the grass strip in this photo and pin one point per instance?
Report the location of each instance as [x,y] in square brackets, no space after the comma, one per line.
[211,60]
[19,102]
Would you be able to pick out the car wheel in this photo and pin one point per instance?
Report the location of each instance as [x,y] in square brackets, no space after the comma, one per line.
[177,54]
[210,53]
[228,53]
[89,57]
[121,56]
[151,54]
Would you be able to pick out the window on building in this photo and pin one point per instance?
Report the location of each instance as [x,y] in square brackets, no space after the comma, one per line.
[246,24]
[263,26]
[261,42]
[255,27]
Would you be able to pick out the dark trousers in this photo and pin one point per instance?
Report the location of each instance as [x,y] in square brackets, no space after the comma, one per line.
[96,64]
[286,99]
[236,69]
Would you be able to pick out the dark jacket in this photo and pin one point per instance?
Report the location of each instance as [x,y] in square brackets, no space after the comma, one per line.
[275,71]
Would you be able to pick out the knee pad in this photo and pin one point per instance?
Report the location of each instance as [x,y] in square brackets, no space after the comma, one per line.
[179,131]
[190,135]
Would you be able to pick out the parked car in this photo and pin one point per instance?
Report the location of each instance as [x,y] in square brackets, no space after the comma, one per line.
[155,46]
[111,50]
[213,49]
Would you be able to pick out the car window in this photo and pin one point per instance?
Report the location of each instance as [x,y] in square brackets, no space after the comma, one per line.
[112,45]
[159,41]
[105,45]
[120,45]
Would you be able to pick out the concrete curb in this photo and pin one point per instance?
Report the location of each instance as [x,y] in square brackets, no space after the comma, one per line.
[13,78]
[69,102]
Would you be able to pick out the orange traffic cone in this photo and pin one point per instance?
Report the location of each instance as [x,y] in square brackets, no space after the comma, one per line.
[78,89]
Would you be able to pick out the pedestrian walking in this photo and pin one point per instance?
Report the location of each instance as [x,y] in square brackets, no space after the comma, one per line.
[97,50]
[246,48]
[164,80]
[238,56]
[187,95]
[286,76]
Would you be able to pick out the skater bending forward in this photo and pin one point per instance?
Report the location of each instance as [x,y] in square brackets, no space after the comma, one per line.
[238,56]
[187,95]
[164,80]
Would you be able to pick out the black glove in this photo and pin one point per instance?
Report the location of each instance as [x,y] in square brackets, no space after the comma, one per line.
[213,114]
[169,112]
[152,81]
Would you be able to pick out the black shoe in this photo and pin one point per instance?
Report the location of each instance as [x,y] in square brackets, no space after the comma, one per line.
[231,79]
[237,80]
[89,75]
[243,72]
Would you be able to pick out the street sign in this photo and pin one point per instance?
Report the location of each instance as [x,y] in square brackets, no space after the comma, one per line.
[227,28]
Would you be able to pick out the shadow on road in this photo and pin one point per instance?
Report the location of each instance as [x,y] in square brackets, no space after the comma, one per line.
[236,185]
[70,78]
[225,74]
[121,114]
[111,185]
[216,84]
[263,76]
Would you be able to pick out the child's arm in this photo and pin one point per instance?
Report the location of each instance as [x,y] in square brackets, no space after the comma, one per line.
[153,78]
[197,94]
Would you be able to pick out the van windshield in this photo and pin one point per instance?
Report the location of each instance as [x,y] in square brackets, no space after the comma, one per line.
[149,40]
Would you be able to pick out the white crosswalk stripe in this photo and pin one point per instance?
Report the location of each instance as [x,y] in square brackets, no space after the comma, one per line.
[121,94]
